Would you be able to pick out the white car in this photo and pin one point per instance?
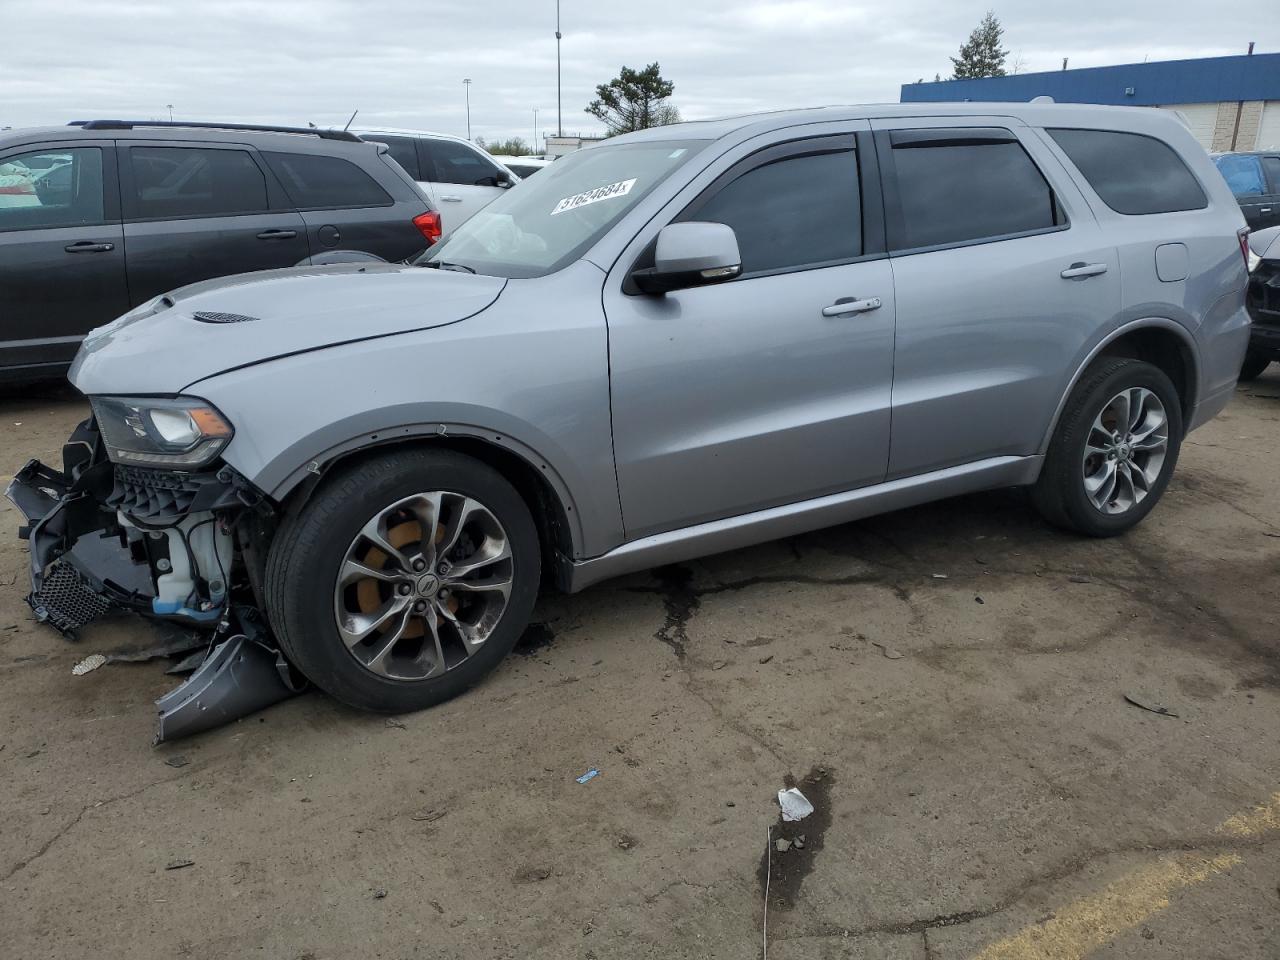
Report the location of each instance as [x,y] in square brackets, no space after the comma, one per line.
[524,167]
[457,176]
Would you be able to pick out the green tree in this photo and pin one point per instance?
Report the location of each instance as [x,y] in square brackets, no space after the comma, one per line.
[510,147]
[634,100]
[981,55]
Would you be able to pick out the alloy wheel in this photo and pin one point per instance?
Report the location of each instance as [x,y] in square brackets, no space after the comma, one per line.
[1125,450]
[423,585]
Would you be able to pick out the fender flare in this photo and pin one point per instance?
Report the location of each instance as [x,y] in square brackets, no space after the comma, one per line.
[314,467]
[1143,323]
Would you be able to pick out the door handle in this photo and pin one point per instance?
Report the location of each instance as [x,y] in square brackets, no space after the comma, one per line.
[452,199]
[1265,210]
[89,246]
[277,234]
[1080,270]
[847,305]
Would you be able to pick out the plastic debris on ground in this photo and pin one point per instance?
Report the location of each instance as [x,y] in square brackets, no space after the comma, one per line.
[887,650]
[589,775]
[795,805]
[88,664]
[1161,711]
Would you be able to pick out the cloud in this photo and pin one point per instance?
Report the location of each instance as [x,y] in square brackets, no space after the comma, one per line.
[402,63]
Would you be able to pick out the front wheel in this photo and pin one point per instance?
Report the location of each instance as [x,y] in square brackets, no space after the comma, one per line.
[404,579]
[1113,451]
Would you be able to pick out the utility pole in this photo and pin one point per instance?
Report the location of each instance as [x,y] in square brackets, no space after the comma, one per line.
[170,106]
[535,129]
[466,85]
[559,114]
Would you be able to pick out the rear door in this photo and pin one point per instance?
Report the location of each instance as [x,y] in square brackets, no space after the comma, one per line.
[61,249]
[463,178]
[1001,275]
[197,211]
[345,208]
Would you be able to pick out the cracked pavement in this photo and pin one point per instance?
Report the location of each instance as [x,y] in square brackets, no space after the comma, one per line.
[946,682]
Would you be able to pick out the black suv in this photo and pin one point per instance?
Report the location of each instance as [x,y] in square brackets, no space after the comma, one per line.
[102,215]
[1254,178]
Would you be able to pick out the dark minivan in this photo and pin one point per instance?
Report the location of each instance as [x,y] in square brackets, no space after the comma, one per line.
[100,216]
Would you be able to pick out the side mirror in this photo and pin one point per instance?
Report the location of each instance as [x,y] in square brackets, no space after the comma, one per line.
[503,179]
[691,254]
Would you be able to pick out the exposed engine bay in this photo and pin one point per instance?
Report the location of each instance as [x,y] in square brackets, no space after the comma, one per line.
[108,537]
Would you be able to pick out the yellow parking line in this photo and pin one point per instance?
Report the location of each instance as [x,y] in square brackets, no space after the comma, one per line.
[1264,817]
[1083,925]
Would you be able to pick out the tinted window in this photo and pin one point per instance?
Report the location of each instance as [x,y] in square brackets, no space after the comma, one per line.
[1272,166]
[192,182]
[952,192]
[1243,175]
[1132,173]
[51,188]
[402,150]
[793,212]
[458,163]
[314,181]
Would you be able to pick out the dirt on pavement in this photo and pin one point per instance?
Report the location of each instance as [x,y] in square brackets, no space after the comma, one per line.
[947,684]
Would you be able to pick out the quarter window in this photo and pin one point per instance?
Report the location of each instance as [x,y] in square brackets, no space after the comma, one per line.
[459,163]
[195,182]
[960,187]
[1132,173]
[51,188]
[798,211]
[314,181]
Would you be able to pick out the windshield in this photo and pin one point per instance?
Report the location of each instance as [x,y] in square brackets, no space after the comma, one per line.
[544,224]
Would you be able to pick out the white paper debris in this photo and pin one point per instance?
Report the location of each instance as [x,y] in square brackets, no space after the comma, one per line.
[88,664]
[795,805]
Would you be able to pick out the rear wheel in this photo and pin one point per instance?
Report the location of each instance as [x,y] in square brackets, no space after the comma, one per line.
[1254,365]
[1113,451]
[404,579]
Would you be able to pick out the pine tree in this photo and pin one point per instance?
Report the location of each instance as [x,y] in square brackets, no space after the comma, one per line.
[634,100]
[980,55]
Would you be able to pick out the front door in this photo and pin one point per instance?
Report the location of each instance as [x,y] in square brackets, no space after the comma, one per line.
[1003,276]
[197,212]
[772,388]
[61,251]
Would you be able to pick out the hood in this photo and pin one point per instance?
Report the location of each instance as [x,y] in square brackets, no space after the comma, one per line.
[163,346]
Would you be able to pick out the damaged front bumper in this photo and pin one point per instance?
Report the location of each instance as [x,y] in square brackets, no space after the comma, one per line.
[110,538]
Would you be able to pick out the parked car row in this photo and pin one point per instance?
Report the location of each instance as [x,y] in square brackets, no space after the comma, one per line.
[99,217]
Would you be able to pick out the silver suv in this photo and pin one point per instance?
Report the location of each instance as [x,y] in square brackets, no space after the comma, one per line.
[678,342]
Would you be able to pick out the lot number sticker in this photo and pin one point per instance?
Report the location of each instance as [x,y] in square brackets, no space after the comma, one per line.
[609,192]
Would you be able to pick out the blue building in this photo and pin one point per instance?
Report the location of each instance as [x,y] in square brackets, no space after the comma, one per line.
[1230,103]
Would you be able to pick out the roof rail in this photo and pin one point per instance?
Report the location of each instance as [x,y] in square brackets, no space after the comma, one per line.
[257,127]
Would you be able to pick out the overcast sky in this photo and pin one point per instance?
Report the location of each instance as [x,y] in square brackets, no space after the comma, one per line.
[402,63]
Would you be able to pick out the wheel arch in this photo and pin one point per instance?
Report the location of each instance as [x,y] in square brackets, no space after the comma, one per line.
[1161,342]
[540,486]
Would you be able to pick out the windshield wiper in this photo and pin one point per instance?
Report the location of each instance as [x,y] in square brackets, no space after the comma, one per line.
[446,265]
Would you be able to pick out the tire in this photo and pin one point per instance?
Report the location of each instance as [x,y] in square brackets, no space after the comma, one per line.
[314,543]
[1060,493]
[1254,365]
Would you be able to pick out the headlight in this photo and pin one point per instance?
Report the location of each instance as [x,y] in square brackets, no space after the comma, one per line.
[183,432]
[1253,260]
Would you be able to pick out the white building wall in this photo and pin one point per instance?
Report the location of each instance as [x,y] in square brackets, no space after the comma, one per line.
[1269,129]
[1200,117]
[1254,125]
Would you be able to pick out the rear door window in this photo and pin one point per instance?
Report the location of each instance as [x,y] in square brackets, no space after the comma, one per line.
[195,182]
[1272,167]
[966,185]
[52,188]
[793,212]
[1131,172]
[458,163]
[1243,175]
[314,181]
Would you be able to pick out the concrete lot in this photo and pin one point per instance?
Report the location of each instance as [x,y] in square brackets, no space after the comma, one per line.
[983,789]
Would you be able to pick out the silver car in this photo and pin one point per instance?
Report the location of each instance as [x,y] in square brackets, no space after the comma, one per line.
[678,342]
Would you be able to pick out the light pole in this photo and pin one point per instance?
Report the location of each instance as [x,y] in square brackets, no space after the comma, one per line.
[170,106]
[466,84]
[535,129]
[559,115]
